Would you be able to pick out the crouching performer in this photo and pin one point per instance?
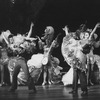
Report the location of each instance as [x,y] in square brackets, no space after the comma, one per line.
[18,49]
[21,63]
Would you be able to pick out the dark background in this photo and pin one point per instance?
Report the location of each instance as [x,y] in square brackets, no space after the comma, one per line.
[17,17]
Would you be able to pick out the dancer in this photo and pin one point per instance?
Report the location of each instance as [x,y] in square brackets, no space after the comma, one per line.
[77,62]
[67,78]
[17,47]
[47,46]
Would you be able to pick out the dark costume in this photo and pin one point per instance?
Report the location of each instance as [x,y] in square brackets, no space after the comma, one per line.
[21,63]
[79,74]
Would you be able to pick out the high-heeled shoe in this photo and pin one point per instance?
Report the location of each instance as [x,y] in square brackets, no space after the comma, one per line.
[44,83]
[49,83]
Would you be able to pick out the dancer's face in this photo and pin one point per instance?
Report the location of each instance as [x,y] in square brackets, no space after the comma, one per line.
[86,35]
[82,36]
[74,35]
[11,40]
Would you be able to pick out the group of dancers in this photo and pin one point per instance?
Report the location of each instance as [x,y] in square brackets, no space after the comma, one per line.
[25,65]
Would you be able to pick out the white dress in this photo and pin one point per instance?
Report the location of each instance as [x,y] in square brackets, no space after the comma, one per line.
[67,78]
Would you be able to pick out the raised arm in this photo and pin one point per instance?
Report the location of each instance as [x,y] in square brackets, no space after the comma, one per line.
[66,30]
[30,31]
[96,26]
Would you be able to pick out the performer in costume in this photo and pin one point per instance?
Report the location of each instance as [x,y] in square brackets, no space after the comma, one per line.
[47,47]
[18,49]
[91,59]
[90,55]
[56,71]
[65,48]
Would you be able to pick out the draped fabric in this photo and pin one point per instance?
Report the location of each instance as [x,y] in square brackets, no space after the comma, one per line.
[72,49]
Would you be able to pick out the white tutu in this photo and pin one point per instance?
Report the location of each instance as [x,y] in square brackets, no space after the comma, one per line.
[67,78]
[35,60]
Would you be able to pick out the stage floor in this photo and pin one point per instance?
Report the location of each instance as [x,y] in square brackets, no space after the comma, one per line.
[49,92]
